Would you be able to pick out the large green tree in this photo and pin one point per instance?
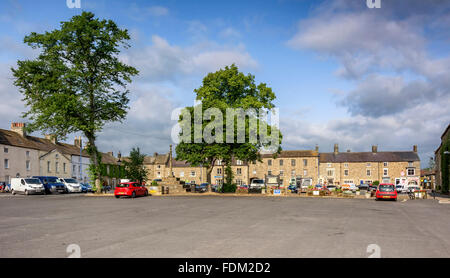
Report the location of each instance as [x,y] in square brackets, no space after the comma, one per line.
[77,83]
[222,90]
[134,166]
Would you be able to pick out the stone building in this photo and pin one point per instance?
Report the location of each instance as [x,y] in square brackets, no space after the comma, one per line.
[288,165]
[398,167]
[441,150]
[428,178]
[22,155]
[238,167]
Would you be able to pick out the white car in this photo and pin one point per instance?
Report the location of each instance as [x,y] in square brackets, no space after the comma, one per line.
[71,185]
[257,184]
[26,186]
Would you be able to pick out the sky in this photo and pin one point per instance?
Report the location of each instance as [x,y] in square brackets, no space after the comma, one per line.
[342,72]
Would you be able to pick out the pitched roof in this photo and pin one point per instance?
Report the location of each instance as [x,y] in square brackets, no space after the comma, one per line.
[369,157]
[284,154]
[11,138]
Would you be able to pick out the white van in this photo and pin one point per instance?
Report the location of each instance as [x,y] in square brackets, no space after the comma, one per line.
[27,186]
[72,185]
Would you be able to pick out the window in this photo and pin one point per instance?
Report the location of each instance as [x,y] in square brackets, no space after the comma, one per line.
[219,171]
[5,150]
[385,172]
[6,163]
[219,162]
[239,171]
[192,173]
[27,153]
[348,181]
[346,165]
[305,173]
[305,162]
[411,172]
[159,174]
[74,169]
[64,167]
[269,173]
[385,164]
[56,167]
[368,165]
[281,172]
[410,164]
[293,173]
[239,182]
[330,172]
[292,162]
[56,156]
[269,162]
[369,173]
[239,162]
[28,165]
[182,174]
[281,162]
[346,172]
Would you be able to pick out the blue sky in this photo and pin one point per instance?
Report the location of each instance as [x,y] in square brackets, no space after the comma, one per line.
[342,73]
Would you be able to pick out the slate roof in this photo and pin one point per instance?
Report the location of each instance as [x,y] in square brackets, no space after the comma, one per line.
[285,154]
[11,138]
[369,157]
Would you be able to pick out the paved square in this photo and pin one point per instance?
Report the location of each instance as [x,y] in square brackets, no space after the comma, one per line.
[221,226]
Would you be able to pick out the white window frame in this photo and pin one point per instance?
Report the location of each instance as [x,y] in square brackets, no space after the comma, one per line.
[346,172]
[6,161]
[385,172]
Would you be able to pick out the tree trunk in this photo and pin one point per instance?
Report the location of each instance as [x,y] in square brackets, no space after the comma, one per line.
[95,163]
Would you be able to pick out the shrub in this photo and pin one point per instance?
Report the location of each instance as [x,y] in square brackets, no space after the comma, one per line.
[376,183]
[229,188]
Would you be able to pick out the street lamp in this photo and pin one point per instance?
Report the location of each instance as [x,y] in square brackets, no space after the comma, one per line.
[119,162]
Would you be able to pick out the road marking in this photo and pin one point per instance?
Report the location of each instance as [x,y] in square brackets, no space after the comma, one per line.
[404,200]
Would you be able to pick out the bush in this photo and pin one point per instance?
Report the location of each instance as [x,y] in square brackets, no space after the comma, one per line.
[229,188]
[376,183]
[154,183]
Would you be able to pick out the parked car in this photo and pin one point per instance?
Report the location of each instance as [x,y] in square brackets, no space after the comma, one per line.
[257,184]
[331,187]
[318,187]
[86,187]
[363,186]
[349,186]
[293,188]
[386,191]
[130,189]
[51,184]
[373,187]
[400,188]
[200,188]
[27,186]
[2,186]
[243,186]
[412,188]
[72,185]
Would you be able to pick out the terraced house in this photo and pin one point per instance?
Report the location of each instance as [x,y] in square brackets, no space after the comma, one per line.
[397,167]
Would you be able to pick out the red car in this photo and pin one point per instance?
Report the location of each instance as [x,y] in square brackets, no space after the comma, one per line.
[130,189]
[386,191]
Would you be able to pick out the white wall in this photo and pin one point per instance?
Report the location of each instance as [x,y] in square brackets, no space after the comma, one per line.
[17,158]
[85,161]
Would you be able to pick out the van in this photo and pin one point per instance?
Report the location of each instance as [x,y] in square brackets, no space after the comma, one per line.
[27,186]
[71,185]
[51,184]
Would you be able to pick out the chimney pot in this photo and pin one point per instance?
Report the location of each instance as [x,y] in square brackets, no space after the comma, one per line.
[374,149]
[317,148]
[336,148]
[51,137]
[18,128]
[415,148]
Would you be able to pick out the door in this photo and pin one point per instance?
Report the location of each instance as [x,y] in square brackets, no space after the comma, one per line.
[23,186]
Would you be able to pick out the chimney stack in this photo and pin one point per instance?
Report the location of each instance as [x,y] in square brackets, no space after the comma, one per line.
[349,151]
[415,148]
[110,153]
[374,149]
[317,148]
[77,142]
[155,154]
[51,137]
[19,128]
[336,148]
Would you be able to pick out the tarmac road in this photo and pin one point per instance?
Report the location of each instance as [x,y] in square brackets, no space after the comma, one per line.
[221,226]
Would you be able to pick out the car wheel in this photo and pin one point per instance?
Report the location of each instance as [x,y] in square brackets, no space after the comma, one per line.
[146,193]
[13,192]
[26,192]
[117,196]
[133,195]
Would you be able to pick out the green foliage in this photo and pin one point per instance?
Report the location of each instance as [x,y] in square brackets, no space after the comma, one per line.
[134,166]
[154,183]
[229,188]
[445,164]
[376,183]
[77,83]
[226,88]
[229,174]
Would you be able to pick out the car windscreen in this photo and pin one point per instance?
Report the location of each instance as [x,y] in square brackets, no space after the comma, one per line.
[258,181]
[32,181]
[386,188]
[52,180]
[70,180]
[122,185]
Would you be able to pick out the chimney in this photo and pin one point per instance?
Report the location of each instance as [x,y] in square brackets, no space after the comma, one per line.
[19,128]
[349,151]
[51,137]
[317,148]
[374,149]
[78,142]
[155,154]
[336,148]
[110,153]
[415,148]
